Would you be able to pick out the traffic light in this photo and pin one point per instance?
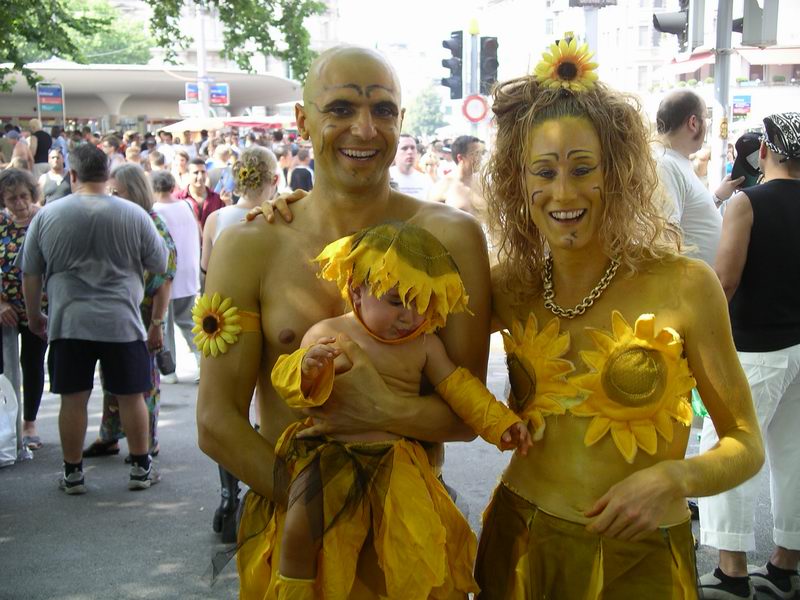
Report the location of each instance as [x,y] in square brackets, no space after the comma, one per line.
[676,23]
[455,63]
[759,26]
[489,64]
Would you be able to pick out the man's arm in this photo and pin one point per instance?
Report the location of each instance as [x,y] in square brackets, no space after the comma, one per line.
[228,380]
[734,242]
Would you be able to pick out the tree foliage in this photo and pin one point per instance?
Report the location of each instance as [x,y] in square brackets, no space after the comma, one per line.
[42,27]
[93,32]
[248,26]
[425,114]
[120,42]
[116,41]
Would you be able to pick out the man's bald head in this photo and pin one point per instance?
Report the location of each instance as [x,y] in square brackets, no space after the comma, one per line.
[342,55]
[675,110]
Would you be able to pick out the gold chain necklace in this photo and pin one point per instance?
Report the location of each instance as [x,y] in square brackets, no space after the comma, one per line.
[582,307]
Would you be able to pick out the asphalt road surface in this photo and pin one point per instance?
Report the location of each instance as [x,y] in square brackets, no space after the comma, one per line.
[158,543]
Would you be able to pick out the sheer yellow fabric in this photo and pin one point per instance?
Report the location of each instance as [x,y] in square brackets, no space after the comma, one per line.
[286,376]
[526,554]
[423,544]
[295,589]
[476,405]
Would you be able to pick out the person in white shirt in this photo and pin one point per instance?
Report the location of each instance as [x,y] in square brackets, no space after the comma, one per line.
[681,123]
[404,171]
[187,145]
[185,231]
[166,147]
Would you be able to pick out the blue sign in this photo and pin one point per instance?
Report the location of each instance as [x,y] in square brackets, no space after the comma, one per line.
[192,93]
[50,98]
[219,94]
[741,105]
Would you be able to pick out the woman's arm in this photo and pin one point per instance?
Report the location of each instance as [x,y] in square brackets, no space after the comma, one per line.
[155,330]
[634,506]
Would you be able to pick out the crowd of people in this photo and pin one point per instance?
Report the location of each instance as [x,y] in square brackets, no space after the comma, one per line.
[623,286]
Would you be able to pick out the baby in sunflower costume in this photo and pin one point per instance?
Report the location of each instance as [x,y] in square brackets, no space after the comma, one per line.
[378,487]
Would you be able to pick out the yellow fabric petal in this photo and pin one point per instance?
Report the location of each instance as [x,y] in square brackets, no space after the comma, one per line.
[215,301]
[645,434]
[596,430]
[625,441]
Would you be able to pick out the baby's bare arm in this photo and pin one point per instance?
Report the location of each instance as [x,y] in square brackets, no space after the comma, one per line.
[437,363]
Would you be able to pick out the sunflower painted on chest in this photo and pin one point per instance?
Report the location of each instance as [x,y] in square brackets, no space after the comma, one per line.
[633,383]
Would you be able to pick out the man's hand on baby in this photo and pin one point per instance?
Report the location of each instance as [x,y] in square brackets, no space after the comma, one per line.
[319,357]
[517,436]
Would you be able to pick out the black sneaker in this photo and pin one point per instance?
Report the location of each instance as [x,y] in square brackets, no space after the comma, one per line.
[712,587]
[141,478]
[785,589]
[72,484]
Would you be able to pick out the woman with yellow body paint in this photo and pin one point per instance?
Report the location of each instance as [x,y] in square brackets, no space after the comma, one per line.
[607,330]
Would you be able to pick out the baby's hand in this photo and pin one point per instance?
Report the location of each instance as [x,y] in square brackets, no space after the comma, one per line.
[517,436]
[318,357]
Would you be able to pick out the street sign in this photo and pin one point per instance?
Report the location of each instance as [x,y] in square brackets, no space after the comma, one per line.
[591,3]
[219,94]
[741,106]
[192,93]
[50,101]
[475,108]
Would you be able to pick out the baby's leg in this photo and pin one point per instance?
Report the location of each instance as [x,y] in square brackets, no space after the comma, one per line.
[303,527]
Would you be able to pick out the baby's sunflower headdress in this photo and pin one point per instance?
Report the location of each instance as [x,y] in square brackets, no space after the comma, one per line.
[567,66]
[402,255]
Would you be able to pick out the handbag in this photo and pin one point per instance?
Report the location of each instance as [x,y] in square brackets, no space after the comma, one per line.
[165,362]
[9,407]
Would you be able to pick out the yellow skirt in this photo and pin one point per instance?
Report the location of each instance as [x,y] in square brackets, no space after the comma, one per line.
[526,554]
[422,547]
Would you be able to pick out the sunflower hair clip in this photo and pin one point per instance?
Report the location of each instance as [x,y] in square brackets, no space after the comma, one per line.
[249,177]
[567,66]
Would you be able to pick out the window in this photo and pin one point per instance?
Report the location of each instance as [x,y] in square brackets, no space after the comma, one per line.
[644,36]
[657,35]
[548,27]
[642,78]
[658,3]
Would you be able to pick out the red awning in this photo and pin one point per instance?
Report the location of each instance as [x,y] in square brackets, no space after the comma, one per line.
[691,63]
[770,56]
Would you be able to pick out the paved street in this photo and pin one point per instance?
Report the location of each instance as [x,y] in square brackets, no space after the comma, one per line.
[113,543]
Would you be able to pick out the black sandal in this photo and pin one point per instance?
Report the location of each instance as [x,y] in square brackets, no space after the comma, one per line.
[101,448]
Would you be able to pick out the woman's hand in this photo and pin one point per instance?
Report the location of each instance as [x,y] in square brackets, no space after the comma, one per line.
[280,203]
[8,316]
[37,323]
[155,337]
[633,508]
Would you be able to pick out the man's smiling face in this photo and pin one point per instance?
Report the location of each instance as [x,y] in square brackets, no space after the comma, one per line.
[352,115]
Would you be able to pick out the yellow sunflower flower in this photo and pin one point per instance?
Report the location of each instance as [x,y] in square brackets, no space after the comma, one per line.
[567,66]
[537,371]
[640,382]
[216,324]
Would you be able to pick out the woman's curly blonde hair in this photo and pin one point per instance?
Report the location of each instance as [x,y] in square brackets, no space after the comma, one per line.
[255,168]
[633,227]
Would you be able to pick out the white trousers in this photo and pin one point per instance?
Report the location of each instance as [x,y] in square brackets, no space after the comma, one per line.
[727,520]
[179,314]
